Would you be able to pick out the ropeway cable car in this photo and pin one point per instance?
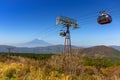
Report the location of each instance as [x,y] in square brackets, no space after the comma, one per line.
[62,33]
[104,18]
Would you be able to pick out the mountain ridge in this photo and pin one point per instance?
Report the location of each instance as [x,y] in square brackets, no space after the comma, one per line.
[104,51]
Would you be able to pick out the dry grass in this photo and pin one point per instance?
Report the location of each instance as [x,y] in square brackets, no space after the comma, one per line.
[58,67]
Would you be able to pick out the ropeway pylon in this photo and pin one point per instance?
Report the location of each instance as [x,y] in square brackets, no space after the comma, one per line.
[66,23]
[67,43]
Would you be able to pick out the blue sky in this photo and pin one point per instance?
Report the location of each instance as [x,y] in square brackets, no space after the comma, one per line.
[25,20]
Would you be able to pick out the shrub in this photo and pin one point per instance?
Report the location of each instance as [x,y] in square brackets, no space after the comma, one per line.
[98,62]
[9,78]
[10,72]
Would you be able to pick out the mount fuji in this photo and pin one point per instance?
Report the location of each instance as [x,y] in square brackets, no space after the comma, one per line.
[34,43]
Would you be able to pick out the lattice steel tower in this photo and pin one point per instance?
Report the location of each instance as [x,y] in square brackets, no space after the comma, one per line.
[66,23]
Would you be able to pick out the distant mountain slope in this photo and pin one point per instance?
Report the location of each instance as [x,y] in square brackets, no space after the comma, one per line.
[116,47]
[100,51]
[34,43]
[4,48]
[47,49]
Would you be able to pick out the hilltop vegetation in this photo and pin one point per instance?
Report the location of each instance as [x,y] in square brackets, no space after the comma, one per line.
[57,67]
[102,51]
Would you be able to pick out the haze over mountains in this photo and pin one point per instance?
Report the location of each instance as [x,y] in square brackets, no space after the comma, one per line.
[116,47]
[47,49]
[34,46]
[40,46]
[102,51]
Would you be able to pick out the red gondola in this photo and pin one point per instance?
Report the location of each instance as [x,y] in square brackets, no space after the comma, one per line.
[104,18]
